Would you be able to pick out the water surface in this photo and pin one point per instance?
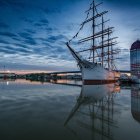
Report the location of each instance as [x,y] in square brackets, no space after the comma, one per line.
[46,111]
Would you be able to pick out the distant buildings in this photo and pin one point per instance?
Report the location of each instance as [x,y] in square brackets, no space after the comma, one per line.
[7,75]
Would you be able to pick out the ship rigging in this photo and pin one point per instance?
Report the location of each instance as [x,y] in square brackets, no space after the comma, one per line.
[99,46]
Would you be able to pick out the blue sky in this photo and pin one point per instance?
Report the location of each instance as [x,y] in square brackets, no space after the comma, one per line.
[33,33]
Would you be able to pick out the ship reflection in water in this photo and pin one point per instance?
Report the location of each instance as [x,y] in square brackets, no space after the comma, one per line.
[68,110]
[99,99]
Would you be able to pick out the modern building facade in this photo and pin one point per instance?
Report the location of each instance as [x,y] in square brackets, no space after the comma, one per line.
[135,61]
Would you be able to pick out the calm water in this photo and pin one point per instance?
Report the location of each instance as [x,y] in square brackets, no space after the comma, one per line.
[36,111]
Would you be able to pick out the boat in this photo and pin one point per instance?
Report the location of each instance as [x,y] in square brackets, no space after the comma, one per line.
[99,66]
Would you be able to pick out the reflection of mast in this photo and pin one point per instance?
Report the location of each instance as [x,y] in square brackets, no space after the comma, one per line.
[100,112]
[75,108]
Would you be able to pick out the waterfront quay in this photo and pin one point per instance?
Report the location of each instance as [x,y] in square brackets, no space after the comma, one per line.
[75,75]
[70,75]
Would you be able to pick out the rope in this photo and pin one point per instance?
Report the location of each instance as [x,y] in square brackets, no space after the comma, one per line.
[82,25]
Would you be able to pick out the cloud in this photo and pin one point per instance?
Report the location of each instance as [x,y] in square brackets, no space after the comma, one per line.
[136,29]
[30,41]
[27,38]
[7,50]
[24,35]
[38,32]
[125,2]
[23,50]
[60,49]
[4,25]
[41,39]
[30,31]
[38,24]
[17,49]
[44,21]
[49,29]
[4,42]
[13,3]
[51,11]
[21,45]
[8,34]
[47,45]
[53,45]
[54,38]
[16,39]
[30,21]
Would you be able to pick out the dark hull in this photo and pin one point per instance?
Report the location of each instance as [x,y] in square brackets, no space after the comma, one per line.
[98,82]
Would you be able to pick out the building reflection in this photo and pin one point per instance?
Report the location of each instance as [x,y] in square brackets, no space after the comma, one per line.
[135,102]
[95,102]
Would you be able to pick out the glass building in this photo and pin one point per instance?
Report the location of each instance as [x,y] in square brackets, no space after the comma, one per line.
[135,61]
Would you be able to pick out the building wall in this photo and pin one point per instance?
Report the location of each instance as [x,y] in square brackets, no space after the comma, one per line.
[135,62]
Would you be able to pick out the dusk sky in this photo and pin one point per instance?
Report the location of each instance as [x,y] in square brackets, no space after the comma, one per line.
[33,32]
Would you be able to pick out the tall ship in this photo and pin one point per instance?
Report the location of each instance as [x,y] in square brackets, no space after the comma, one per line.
[95,53]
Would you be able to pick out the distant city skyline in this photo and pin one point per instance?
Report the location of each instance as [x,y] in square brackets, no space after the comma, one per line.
[33,33]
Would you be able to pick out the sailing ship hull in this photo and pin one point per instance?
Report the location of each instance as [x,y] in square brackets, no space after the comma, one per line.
[97,75]
[93,73]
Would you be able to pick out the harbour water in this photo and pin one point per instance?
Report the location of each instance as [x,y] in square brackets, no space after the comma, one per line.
[51,111]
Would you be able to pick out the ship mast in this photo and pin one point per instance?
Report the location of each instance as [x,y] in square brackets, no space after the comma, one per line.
[108,51]
[100,34]
[93,28]
[102,52]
